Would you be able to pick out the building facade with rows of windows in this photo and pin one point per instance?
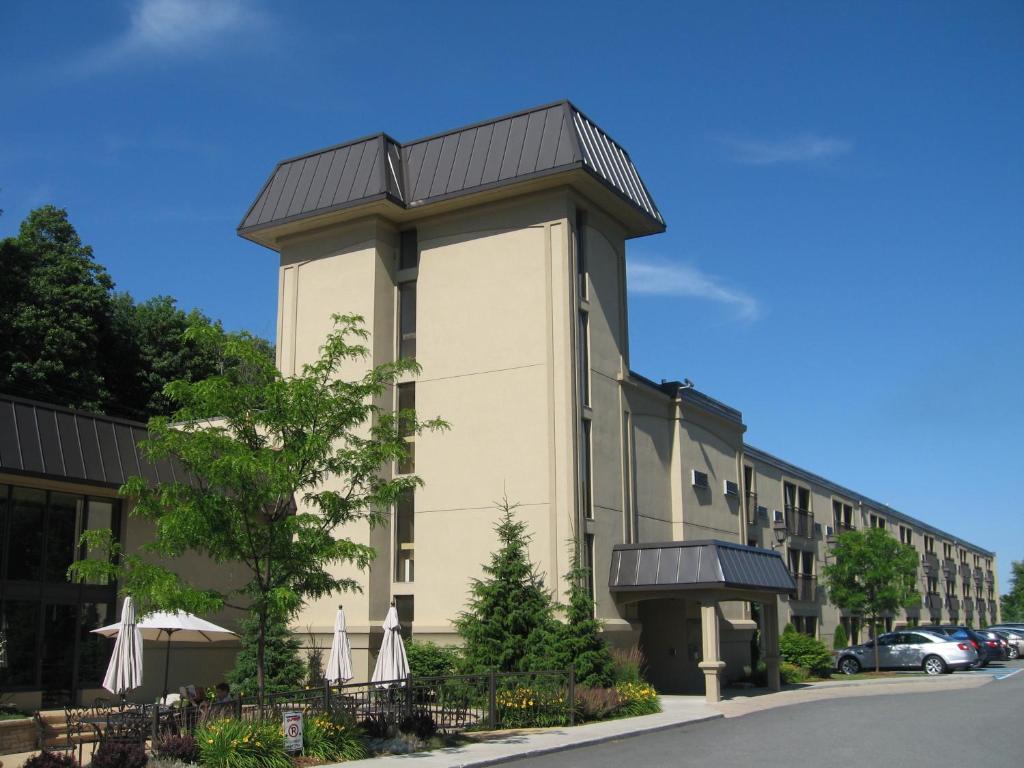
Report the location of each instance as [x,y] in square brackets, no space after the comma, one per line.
[495,255]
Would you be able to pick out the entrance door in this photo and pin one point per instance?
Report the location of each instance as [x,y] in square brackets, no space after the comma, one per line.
[60,626]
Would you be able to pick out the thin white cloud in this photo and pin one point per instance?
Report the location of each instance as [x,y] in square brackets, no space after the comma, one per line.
[663,278]
[173,28]
[805,148]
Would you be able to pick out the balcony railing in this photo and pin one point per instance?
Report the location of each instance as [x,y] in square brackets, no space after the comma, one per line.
[842,526]
[751,508]
[990,578]
[806,588]
[952,604]
[969,608]
[992,609]
[949,568]
[930,562]
[799,522]
[933,600]
[979,575]
[965,571]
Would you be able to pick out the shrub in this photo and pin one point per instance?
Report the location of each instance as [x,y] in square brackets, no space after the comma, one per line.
[183,748]
[234,743]
[839,638]
[578,641]
[420,724]
[432,660]
[284,669]
[47,759]
[628,664]
[792,674]
[804,651]
[527,707]
[637,699]
[119,754]
[789,629]
[331,739]
[375,726]
[596,703]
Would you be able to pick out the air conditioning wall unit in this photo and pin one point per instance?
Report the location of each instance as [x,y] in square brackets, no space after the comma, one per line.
[731,488]
[776,516]
[699,479]
[830,531]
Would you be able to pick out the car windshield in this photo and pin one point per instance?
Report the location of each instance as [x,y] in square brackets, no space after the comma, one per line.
[961,634]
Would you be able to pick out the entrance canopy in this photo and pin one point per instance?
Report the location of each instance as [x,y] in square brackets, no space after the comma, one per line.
[706,565]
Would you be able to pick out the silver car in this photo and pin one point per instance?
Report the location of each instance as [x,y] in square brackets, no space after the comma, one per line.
[909,649]
[1012,635]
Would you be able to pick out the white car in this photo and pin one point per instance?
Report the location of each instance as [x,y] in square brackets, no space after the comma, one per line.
[909,649]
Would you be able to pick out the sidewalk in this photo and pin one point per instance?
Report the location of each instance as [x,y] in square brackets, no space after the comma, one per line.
[739,703]
[511,745]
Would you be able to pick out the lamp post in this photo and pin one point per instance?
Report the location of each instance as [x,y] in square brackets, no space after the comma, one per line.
[780,532]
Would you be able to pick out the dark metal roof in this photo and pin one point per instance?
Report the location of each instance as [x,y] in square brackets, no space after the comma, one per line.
[709,564]
[686,392]
[49,441]
[544,140]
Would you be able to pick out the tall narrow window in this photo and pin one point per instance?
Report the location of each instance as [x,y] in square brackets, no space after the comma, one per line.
[405,605]
[629,521]
[406,407]
[581,253]
[407,320]
[584,355]
[409,250]
[589,554]
[586,495]
[405,538]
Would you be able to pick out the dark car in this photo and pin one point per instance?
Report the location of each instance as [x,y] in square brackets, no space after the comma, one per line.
[988,650]
[990,636]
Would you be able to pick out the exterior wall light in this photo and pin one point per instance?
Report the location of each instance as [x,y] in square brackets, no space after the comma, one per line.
[780,532]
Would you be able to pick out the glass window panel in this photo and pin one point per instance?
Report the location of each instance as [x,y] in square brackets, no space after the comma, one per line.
[19,623]
[409,257]
[406,402]
[62,534]
[405,606]
[102,515]
[407,320]
[585,448]
[584,351]
[25,543]
[408,465]
[405,538]
[60,622]
[94,650]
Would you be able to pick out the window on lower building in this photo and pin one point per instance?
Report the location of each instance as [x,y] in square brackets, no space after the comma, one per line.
[906,535]
[852,626]
[877,522]
[629,517]
[406,417]
[591,562]
[806,625]
[407,320]
[409,250]
[586,446]
[406,607]
[405,538]
[583,342]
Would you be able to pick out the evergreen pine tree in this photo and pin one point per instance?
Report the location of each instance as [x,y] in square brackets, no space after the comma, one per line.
[580,644]
[284,667]
[509,624]
[839,639]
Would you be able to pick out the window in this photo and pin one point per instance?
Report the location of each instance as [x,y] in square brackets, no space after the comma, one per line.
[407,320]
[586,496]
[750,493]
[806,625]
[406,607]
[947,550]
[852,626]
[933,584]
[62,520]
[581,253]
[406,419]
[25,534]
[629,517]
[843,515]
[409,250]
[21,620]
[906,535]
[877,522]
[405,538]
[584,352]
[929,544]
[591,565]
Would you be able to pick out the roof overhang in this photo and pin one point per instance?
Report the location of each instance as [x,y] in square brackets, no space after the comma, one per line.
[698,566]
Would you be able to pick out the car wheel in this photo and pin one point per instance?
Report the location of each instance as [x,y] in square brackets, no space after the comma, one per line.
[849,666]
[934,665]
[1014,653]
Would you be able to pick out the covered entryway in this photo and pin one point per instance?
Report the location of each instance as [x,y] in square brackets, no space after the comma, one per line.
[680,587]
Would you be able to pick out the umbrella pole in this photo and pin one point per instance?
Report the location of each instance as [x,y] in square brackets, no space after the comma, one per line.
[167,664]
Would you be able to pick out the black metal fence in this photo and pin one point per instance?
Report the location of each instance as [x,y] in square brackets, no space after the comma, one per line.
[491,701]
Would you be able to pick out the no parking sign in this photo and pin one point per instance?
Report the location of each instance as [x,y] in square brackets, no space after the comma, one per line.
[292,723]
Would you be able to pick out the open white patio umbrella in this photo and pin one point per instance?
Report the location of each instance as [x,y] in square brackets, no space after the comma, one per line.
[392,663]
[179,626]
[124,672]
[339,663]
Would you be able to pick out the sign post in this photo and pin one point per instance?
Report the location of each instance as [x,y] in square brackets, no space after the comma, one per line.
[292,725]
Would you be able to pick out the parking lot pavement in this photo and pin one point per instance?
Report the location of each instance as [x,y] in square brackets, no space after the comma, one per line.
[1000,670]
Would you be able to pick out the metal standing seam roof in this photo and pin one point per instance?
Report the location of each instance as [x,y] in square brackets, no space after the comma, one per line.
[709,564]
[544,140]
[49,441]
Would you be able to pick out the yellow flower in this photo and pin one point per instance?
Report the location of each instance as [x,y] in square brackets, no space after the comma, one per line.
[209,741]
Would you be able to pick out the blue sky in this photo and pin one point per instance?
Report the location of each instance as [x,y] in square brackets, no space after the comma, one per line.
[843,185]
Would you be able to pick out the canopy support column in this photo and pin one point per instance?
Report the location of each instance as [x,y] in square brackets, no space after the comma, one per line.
[770,640]
[712,665]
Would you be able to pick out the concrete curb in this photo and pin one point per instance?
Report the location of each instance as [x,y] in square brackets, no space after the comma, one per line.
[537,751]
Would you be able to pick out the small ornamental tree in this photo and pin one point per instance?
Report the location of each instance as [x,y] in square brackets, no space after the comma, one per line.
[276,468]
[283,668]
[579,643]
[839,638]
[1012,603]
[872,574]
[509,623]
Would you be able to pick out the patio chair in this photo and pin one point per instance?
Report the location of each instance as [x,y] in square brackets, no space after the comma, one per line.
[79,729]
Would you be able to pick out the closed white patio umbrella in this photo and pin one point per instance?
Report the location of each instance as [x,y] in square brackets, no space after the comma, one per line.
[179,626]
[339,663]
[124,672]
[392,663]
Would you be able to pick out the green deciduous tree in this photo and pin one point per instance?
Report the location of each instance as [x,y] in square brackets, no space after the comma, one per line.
[872,574]
[283,668]
[509,624]
[278,466]
[1012,603]
[579,643]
